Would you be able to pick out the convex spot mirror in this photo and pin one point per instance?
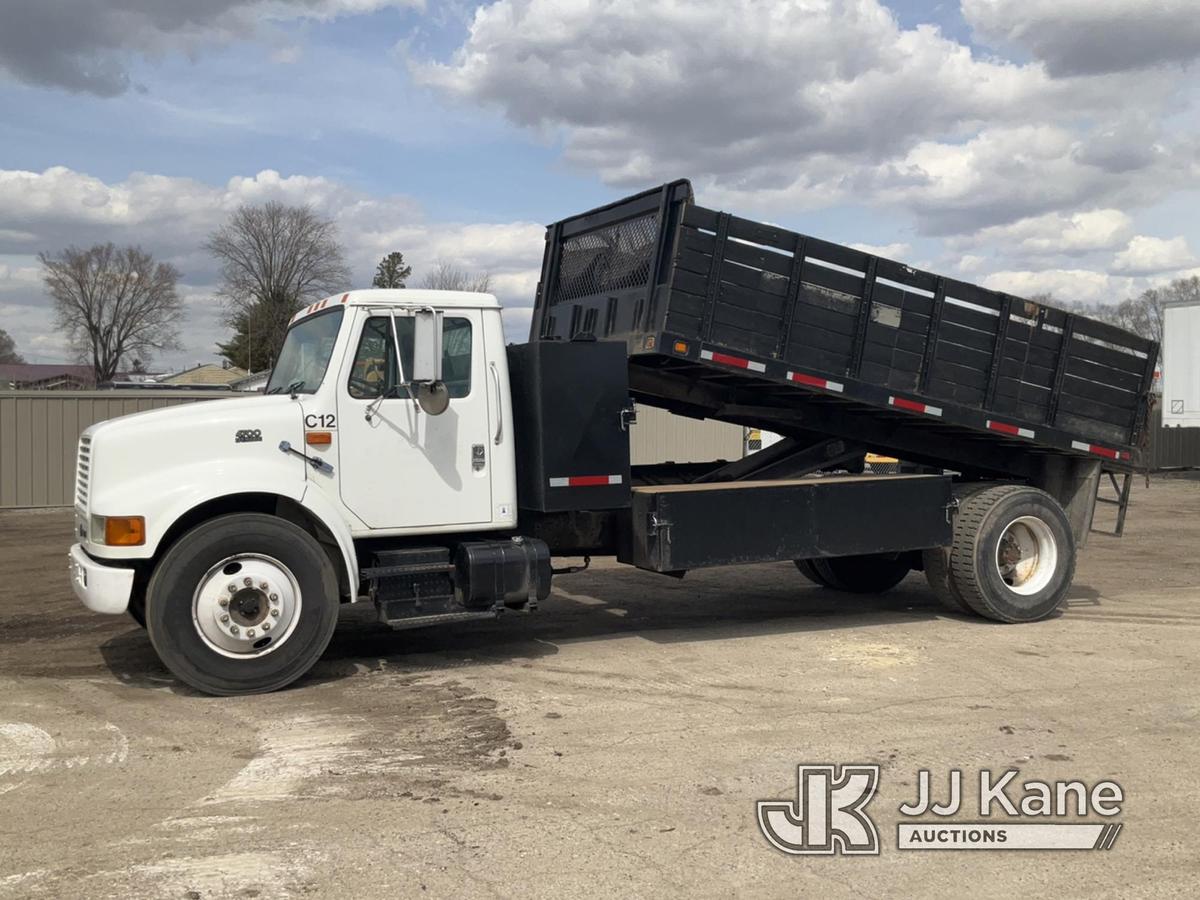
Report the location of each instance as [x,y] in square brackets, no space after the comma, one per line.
[433,397]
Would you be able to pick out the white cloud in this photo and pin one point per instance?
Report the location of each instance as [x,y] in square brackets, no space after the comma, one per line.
[1089,36]
[1003,175]
[1057,233]
[808,103]
[1077,285]
[1153,256]
[889,251]
[172,216]
[969,263]
[86,46]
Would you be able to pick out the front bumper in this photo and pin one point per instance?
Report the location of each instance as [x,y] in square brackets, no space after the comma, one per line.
[102,589]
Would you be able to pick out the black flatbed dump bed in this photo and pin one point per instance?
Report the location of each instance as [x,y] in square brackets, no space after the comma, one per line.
[749,323]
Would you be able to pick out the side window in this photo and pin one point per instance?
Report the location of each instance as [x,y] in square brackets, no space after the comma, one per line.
[374,366]
[456,356]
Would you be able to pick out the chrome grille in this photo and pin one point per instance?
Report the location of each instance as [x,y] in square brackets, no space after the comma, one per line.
[83,468]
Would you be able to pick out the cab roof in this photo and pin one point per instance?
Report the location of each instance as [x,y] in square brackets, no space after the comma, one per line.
[403,297]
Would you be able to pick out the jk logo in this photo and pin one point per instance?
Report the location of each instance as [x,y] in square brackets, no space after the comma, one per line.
[828,815]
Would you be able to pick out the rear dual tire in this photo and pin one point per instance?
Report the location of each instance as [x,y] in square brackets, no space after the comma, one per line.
[1012,558]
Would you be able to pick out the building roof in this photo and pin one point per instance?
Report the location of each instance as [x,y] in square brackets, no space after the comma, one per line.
[37,374]
[208,373]
[251,382]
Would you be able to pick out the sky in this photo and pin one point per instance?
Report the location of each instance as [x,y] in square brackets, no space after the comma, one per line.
[1034,146]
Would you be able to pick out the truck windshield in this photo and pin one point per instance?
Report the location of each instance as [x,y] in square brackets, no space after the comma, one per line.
[305,354]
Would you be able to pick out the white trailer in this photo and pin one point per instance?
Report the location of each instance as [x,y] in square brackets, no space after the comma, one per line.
[1181,366]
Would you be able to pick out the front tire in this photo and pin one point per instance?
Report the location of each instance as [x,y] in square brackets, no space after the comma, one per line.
[242,604]
[137,608]
[1013,556]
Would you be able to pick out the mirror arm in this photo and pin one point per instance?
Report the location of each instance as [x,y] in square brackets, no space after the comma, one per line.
[400,362]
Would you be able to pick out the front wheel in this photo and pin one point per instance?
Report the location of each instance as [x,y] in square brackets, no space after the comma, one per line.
[242,604]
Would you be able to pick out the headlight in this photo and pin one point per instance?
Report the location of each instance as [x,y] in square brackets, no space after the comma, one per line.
[119,531]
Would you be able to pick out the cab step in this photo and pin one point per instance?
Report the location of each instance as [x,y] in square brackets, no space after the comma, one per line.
[413,586]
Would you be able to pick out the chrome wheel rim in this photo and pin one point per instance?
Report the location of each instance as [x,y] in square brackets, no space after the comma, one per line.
[246,606]
[1026,555]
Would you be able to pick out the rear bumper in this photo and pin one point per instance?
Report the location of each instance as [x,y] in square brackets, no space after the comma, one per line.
[102,589]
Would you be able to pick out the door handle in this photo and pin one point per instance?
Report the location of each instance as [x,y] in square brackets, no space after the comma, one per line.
[499,405]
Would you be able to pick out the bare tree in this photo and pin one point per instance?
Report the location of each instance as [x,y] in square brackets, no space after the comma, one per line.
[446,276]
[274,260]
[8,349]
[113,302]
[1143,314]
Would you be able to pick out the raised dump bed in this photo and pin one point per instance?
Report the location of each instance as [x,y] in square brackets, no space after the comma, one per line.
[737,320]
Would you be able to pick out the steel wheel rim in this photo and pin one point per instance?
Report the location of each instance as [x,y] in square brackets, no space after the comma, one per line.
[1026,555]
[246,606]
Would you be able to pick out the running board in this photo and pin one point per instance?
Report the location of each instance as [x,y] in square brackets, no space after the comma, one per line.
[440,619]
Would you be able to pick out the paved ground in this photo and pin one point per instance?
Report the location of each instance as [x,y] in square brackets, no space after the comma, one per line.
[614,743]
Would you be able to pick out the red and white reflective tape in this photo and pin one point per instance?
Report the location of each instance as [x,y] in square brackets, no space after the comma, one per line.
[914,406]
[314,307]
[1005,428]
[813,381]
[585,481]
[736,361]
[1099,451]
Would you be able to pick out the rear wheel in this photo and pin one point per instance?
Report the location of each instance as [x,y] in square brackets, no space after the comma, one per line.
[809,571]
[1013,556]
[869,574]
[242,604]
[936,560]
[941,581]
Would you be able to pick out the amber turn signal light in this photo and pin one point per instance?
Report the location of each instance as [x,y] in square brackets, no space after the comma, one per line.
[124,531]
[318,438]
[680,347]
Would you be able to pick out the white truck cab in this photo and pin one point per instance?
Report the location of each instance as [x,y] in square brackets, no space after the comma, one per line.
[346,444]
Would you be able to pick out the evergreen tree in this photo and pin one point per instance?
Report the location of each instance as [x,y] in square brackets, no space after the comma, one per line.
[391,271]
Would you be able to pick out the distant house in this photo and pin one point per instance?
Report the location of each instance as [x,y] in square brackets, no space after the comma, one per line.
[255,381]
[45,377]
[207,374]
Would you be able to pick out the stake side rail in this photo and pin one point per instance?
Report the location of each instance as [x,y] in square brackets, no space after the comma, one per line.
[814,383]
[763,304]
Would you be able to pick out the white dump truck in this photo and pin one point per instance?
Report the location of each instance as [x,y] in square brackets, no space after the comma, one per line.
[402,455]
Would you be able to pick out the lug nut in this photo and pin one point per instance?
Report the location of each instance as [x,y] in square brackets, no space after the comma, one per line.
[266,626]
[233,629]
[247,581]
[225,618]
[275,613]
[263,585]
[250,633]
[233,588]
[274,598]
[223,602]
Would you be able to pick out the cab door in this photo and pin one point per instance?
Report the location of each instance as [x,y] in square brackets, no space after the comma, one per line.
[400,467]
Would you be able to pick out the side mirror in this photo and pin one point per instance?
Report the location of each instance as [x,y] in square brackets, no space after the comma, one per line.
[427,347]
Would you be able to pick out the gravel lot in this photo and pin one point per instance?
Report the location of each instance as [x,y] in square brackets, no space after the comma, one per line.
[613,743]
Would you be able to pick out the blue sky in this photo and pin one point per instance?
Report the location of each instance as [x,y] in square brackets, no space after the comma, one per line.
[1035,145]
